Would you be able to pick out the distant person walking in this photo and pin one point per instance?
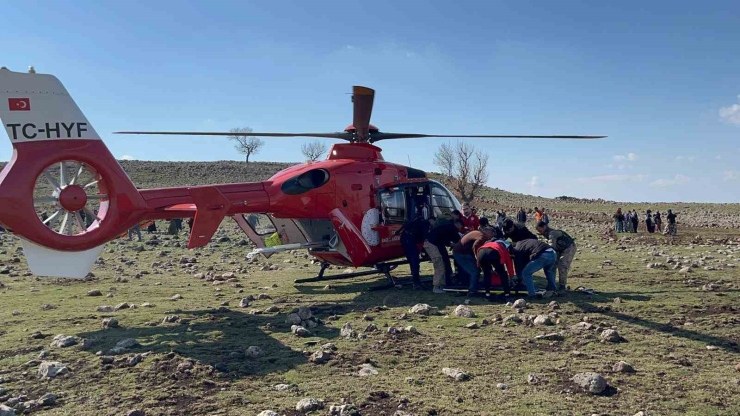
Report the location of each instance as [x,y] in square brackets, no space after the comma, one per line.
[618,221]
[671,228]
[635,221]
[521,216]
[658,222]
[135,229]
[649,222]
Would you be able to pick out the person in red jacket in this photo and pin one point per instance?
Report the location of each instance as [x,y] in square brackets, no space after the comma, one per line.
[494,255]
[471,221]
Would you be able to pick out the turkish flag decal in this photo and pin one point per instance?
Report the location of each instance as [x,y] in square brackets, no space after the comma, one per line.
[19,104]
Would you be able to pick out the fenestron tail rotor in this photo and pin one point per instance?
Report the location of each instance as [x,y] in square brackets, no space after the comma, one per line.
[361,131]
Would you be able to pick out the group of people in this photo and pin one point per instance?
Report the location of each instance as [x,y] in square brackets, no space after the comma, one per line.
[174,228]
[629,222]
[500,252]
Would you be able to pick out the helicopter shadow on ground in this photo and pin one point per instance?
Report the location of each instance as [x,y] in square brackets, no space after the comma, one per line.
[367,300]
[586,303]
[217,337]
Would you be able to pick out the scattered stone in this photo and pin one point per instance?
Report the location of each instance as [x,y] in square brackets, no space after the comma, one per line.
[685,270]
[464,311]
[268,413]
[542,320]
[309,404]
[534,379]
[367,370]
[51,369]
[345,410]
[511,320]
[618,300]
[582,326]
[136,413]
[320,357]
[590,382]
[244,303]
[472,325]
[623,367]
[300,331]
[110,323]
[254,352]
[48,399]
[63,341]
[134,359]
[411,329]
[170,319]
[456,374]
[95,292]
[520,304]
[346,331]
[611,335]
[47,307]
[554,336]
[502,386]
[105,309]
[421,309]
[282,387]
[554,305]
[124,305]
[6,411]
[176,297]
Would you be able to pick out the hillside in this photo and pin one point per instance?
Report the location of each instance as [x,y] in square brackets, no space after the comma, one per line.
[153,174]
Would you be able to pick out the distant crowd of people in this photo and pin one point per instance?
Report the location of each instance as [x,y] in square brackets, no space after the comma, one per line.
[174,227]
[629,222]
[500,252]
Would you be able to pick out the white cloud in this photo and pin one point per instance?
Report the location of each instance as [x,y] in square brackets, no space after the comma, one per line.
[127,157]
[731,175]
[613,178]
[718,157]
[534,182]
[689,159]
[677,180]
[630,156]
[730,114]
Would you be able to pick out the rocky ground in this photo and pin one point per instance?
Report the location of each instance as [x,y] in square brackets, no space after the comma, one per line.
[161,330]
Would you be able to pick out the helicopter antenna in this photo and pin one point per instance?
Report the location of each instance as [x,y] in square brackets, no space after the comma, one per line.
[409,157]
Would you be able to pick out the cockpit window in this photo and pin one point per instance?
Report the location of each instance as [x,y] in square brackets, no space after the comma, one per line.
[305,182]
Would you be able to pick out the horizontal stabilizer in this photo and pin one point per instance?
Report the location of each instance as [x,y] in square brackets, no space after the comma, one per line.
[46,262]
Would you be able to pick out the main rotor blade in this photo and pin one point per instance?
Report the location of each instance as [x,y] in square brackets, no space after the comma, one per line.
[362,100]
[342,136]
[387,136]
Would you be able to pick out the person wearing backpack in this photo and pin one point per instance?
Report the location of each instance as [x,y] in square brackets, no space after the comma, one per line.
[565,247]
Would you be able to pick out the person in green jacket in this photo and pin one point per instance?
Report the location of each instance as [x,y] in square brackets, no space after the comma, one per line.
[564,245]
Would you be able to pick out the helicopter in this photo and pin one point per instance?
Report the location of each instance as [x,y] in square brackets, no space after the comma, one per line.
[65,195]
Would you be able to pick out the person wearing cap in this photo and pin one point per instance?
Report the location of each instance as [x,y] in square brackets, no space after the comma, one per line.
[565,247]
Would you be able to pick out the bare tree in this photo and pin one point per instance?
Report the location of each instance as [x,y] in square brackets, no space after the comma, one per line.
[313,151]
[246,145]
[465,169]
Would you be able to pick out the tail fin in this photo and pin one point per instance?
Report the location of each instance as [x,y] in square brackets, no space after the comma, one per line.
[63,192]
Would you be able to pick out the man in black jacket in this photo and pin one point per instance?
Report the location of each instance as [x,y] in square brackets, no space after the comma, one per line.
[537,255]
[413,233]
[517,232]
[521,216]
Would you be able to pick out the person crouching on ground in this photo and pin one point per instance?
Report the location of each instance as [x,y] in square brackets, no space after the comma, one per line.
[464,254]
[441,236]
[493,255]
[537,255]
[565,247]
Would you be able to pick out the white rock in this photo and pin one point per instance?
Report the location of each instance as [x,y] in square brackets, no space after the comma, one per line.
[455,373]
[63,341]
[254,352]
[51,369]
[421,309]
[464,311]
[520,303]
[309,404]
[590,382]
[268,413]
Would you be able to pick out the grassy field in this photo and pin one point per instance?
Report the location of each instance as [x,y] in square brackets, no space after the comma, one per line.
[681,331]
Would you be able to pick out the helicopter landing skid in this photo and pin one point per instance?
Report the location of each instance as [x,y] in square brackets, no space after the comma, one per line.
[381,268]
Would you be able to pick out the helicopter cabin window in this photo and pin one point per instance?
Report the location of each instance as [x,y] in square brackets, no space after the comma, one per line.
[441,202]
[305,182]
[261,224]
[393,205]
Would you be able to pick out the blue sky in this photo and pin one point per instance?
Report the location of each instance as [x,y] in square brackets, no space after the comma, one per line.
[661,79]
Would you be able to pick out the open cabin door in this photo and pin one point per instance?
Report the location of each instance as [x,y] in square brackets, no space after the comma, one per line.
[263,230]
[398,205]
